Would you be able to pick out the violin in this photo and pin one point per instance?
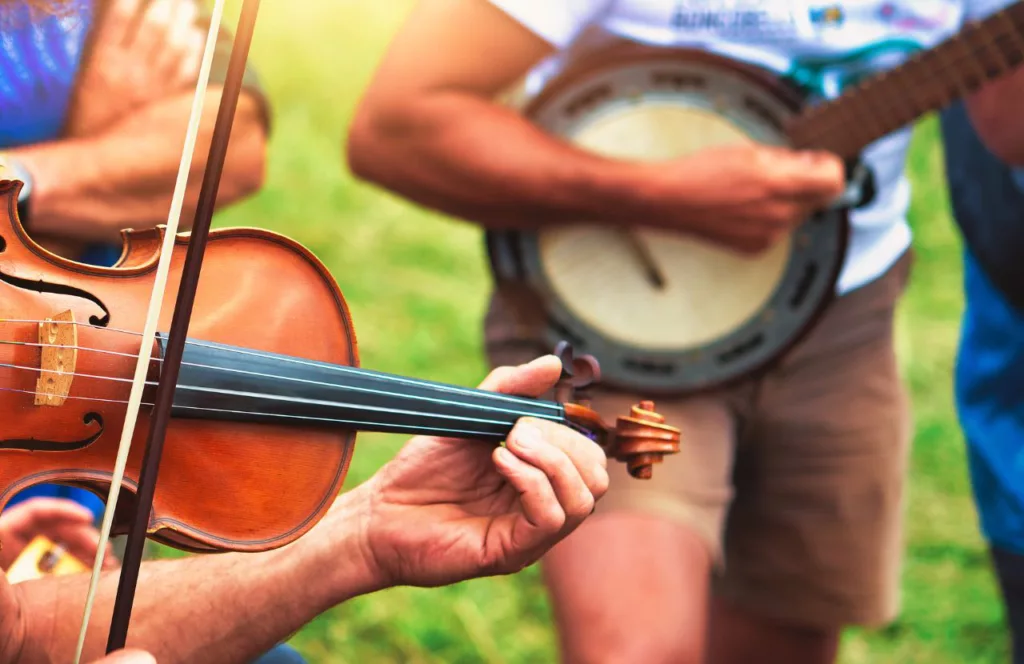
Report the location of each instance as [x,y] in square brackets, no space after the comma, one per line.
[269,397]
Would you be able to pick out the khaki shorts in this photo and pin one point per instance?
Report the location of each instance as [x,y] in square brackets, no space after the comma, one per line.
[794,477]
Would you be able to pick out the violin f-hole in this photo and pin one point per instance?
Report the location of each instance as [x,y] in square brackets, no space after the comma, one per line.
[41,286]
[34,445]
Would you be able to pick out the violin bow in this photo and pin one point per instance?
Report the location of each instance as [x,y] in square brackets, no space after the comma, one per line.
[171,365]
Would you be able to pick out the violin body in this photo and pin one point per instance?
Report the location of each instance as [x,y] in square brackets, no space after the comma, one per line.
[224,485]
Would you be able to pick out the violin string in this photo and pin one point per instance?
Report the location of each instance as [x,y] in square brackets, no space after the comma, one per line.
[359,371]
[296,400]
[431,430]
[555,408]
[305,401]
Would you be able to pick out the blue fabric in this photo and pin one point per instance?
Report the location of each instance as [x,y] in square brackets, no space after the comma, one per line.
[281,654]
[101,254]
[990,403]
[39,62]
[987,198]
[80,496]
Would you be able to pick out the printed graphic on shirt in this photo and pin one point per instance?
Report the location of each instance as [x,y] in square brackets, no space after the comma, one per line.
[826,46]
[831,15]
[39,61]
[916,16]
[734,19]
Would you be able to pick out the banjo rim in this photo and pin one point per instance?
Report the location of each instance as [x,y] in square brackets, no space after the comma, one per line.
[626,53]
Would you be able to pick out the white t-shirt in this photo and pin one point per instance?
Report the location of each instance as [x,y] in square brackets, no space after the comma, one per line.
[820,43]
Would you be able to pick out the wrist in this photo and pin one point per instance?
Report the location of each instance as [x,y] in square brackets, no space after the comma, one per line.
[630,193]
[339,552]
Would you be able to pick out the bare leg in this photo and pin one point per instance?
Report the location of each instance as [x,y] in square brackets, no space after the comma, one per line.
[628,588]
[738,637]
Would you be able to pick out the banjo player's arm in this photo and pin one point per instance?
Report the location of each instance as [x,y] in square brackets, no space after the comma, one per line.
[429,127]
[995,109]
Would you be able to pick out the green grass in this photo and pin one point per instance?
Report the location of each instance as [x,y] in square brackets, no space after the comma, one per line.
[417,283]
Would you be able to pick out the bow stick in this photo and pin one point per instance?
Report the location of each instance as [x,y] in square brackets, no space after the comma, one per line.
[179,324]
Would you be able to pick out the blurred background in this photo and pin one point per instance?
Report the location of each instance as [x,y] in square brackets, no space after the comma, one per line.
[416,284]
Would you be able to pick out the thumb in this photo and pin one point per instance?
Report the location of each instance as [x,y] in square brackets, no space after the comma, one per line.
[127,656]
[813,173]
[529,380]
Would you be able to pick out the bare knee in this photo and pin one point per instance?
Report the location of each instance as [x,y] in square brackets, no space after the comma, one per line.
[630,588]
[738,635]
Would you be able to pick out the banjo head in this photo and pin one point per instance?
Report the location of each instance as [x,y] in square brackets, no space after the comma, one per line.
[712,315]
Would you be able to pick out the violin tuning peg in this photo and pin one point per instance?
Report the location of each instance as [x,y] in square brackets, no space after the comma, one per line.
[587,371]
[578,373]
[564,352]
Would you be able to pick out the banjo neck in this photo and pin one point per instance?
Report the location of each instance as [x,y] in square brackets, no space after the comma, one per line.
[928,81]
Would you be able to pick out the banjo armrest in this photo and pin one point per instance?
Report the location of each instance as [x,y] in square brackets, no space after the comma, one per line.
[860,187]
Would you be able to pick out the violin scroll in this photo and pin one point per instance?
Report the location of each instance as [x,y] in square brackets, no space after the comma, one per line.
[640,440]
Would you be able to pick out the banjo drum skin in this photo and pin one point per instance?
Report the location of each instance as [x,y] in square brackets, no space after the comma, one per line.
[710,315]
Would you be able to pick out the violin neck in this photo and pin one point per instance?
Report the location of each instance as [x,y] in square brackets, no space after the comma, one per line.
[227,383]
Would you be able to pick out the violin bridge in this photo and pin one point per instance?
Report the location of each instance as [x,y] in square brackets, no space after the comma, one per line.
[58,340]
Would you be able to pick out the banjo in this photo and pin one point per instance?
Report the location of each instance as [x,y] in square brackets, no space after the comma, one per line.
[673,314]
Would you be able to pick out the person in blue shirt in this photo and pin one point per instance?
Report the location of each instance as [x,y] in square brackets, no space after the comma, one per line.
[987,197]
[94,102]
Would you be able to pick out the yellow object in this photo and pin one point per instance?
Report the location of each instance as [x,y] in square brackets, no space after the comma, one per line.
[43,557]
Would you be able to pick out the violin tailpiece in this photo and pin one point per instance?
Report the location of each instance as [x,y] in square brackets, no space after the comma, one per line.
[58,357]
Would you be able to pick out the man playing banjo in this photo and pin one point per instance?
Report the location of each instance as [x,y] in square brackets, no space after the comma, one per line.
[785,505]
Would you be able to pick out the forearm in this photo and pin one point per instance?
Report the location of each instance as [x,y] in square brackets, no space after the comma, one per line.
[996,113]
[90,188]
[208,608]
[474,159]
